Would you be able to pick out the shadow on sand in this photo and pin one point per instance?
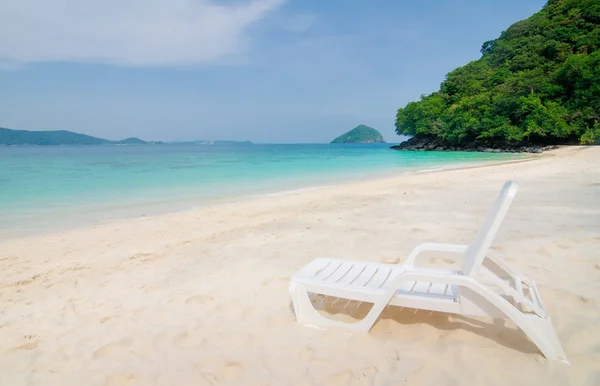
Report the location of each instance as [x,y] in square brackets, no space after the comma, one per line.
[503,332]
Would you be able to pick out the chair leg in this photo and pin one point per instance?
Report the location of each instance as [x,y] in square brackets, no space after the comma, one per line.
[543,335]
[307,314]
[538,329]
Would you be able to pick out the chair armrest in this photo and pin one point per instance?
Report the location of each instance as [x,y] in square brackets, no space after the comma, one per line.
[453,248]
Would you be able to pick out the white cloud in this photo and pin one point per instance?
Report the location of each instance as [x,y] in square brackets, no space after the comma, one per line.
[299,23]
[135,33]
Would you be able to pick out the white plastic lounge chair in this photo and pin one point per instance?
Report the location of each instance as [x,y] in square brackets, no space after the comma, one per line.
[484,286]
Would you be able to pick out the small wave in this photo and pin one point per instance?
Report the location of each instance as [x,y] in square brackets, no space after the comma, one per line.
[430,170]
[299,190]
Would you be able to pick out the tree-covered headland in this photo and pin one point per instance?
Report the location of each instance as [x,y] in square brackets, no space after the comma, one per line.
[538,83]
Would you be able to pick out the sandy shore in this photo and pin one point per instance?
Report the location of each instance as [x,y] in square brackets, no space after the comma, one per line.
[201,298]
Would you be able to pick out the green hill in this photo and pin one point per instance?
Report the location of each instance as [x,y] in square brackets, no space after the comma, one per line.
[360,134]
[131,141]
[538,83]
[60,137]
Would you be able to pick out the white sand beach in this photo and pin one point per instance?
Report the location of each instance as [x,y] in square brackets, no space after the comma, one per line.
[201,298]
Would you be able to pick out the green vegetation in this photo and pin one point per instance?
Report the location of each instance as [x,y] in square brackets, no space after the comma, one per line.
[539,82]
[61,137]
[360,134]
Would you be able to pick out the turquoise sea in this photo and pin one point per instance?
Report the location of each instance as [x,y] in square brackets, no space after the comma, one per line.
[51,188]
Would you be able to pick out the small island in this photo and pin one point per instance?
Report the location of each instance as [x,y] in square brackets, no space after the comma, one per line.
[11,137]
[213,143]
[360,134]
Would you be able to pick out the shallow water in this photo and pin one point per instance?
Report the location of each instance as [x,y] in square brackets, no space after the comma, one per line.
[50,188]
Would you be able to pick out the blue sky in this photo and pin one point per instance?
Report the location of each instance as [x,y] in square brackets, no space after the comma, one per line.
[264,70]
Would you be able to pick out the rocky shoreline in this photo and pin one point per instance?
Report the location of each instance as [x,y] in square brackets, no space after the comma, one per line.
[435,144]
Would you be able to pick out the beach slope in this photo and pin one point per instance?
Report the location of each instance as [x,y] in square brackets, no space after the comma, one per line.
[201,298]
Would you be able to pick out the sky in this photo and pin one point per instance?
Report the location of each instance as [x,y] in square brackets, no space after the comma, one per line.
[268,71]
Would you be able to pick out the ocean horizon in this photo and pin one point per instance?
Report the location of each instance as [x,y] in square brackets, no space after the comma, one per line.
[45,189]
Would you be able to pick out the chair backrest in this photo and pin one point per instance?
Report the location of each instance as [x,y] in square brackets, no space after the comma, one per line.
[480,248]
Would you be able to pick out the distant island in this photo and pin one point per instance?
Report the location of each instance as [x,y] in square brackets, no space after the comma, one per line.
[360,134]
[537,85]
[10,137]
[210,143]
[60,137]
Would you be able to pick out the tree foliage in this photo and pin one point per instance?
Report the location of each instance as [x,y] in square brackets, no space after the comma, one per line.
[538,82]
